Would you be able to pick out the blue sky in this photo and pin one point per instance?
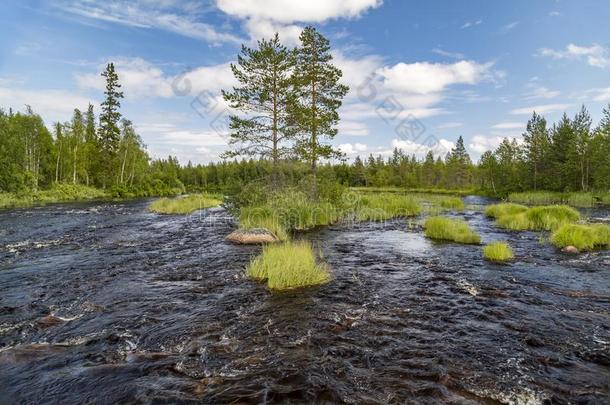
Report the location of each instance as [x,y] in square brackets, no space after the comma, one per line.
[421,73]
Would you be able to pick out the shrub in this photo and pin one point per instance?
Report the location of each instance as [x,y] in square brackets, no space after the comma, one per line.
[583,237]
[184,205]
[578,199]
[498,252]
[287,266]
[456,230]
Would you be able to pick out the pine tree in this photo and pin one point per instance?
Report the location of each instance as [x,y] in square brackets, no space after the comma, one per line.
[536,144]
[459,163]
[264,95]
[582,141]
[109,131]
[319,96]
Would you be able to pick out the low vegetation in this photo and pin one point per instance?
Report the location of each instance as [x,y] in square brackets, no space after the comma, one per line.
[576,199]
[448,229]
[57,193]
[520,218]
[384,206]
[287,266]
[185,204]
[583,237]
[499,252]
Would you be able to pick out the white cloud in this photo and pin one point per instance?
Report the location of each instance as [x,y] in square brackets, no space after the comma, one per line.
[260,28]
[141,79]
[601,94]
[509,125]
[537,91]
[595,55]
[52,105]
[469,24]
[540,109]
[288,11]
[352,128]
[482,143]
[176,17]
[554,14]
[439,147]
[356,71]
[352,149]
[425,77]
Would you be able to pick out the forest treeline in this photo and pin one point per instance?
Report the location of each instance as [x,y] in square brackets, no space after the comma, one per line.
[287,103]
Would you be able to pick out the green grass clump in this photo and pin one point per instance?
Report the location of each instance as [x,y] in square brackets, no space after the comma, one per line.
[498,252]
[383,206]
[262,217]
[287,266]
[456,230]
[551,217]
[184,205]
[452,203]
[583,237]
[499,210]
[520,218]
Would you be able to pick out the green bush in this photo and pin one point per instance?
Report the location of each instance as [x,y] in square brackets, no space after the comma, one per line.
[456,230]
[287,266]
[184,205]
[498,252]
[583,237]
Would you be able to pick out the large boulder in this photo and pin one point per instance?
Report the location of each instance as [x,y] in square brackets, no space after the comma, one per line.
[571,250]
[253,236]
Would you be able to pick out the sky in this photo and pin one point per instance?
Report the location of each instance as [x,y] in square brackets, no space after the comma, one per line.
[421,73]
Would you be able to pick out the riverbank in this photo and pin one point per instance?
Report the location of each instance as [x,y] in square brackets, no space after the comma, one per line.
[57,194]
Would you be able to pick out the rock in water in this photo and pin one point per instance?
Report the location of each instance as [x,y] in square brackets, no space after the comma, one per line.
[252,236]
[570,249]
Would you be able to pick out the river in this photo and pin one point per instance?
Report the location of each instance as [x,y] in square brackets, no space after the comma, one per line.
[107,303]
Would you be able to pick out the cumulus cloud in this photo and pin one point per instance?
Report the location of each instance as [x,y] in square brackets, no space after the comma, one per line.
[352,149]
[140,79]
[540,109]
[352,128]
[425,77]
[601,94]
[52,105]
[482,143]
[595,55]
[288,11]
[439,147]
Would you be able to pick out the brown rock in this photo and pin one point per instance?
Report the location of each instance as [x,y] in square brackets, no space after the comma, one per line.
[49,320]
[252,236]
[571,250]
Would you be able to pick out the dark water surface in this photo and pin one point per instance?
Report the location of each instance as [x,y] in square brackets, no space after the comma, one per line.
[106,303]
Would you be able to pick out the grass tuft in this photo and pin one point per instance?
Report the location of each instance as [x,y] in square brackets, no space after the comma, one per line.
[287,266]
[383,206]
[498,252]
[184,205]
[456,230]
[583,237]
[520,218]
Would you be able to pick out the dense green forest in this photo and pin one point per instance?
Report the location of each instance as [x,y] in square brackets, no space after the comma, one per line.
[288,101]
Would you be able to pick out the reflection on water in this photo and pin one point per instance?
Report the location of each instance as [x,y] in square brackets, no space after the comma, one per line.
[109,303]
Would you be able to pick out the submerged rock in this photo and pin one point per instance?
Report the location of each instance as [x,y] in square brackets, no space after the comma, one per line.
[49,320]
[252,236]
[571,249]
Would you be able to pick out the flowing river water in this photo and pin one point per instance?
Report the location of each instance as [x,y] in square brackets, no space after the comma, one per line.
[106,303]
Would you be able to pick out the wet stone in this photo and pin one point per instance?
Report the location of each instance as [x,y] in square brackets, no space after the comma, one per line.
[252,236]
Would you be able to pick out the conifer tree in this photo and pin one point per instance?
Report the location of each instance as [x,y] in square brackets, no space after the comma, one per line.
[263,98]
[319,96]
[109,131]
